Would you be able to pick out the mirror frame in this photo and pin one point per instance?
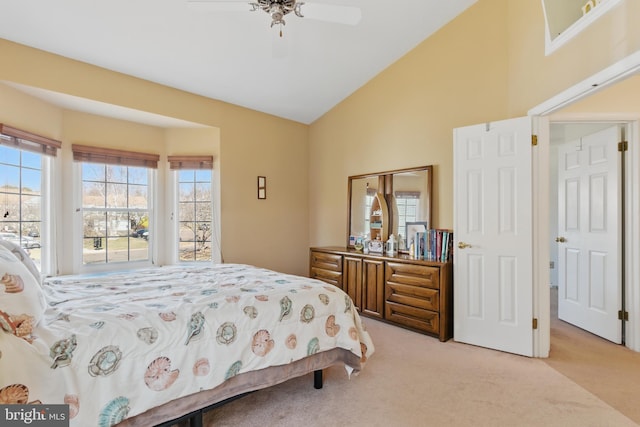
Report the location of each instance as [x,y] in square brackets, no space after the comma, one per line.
[385,182]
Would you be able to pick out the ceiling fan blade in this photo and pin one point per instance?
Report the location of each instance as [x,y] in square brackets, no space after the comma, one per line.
[219,6]
[348,15]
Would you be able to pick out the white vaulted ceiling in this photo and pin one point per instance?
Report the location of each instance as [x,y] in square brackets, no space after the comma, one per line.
[231,56]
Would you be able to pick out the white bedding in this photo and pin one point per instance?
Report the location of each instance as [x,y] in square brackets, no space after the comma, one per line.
[115,345]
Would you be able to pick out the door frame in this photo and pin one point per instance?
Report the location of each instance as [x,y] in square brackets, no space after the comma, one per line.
[542,115]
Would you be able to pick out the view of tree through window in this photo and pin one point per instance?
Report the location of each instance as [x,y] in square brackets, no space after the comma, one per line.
[115,209]
[194,215]
[21,199]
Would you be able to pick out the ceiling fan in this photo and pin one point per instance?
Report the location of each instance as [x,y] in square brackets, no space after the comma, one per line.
[277,9]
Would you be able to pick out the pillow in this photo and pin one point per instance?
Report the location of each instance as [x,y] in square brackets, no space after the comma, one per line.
[20,293]
[22,256]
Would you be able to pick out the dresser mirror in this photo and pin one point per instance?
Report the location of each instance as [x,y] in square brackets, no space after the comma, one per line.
[407,193]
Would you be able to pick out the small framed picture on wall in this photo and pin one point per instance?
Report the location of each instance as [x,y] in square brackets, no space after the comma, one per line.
[262,187]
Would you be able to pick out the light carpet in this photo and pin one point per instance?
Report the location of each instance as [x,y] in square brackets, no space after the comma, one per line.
[415,380]
[609,371]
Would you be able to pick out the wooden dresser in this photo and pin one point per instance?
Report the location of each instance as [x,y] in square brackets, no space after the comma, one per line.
[405,291]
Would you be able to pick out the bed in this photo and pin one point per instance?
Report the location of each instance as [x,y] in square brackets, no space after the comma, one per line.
[152,345]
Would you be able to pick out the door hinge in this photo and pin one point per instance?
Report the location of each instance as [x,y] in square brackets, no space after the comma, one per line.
[534,140]
[623,146]
[623,315]
[535,323]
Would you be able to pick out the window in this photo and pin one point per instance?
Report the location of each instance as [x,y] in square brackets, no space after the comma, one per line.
[368,201]
[567,18]
[194,215]
[195,206]
[24,161]
[115,212]
[408,210]
[21,195]
[117,205]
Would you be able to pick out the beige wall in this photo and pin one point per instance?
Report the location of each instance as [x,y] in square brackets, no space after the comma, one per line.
[405,116]
[622,98]
[269,233]
[488,64]
[18,110]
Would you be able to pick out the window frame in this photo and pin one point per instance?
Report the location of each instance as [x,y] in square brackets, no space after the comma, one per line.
[175,177]
[406,218]
[191,162]
[106,157]
[47,148]
[19,219]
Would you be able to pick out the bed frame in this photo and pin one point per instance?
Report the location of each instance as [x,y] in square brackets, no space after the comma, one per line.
[194,419]
[189,409]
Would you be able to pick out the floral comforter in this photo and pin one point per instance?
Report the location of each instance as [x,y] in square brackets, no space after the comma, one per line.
[115,345]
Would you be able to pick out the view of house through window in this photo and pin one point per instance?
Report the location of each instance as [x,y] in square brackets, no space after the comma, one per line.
[116,204]
[21,199]
[407,211]
[194,214]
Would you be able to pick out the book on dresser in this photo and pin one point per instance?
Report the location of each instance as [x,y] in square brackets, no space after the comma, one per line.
[434,245]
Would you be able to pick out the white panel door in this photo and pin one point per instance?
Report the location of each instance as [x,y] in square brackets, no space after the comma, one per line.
[493,288]
[589,283]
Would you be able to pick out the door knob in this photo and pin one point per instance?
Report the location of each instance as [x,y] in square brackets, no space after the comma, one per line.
[560,239]
[463,245]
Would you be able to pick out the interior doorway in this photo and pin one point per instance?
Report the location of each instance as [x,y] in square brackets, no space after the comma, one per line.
[608,95]
[586,226]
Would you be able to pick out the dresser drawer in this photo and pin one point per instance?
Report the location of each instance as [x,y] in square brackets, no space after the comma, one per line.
[326,261]
[413,275]
[414,296]
[412,317]
[331,277]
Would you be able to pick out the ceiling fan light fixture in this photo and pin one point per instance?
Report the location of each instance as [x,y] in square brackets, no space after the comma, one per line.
[277,14]
[335,13]
[277,9]
[277,21]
